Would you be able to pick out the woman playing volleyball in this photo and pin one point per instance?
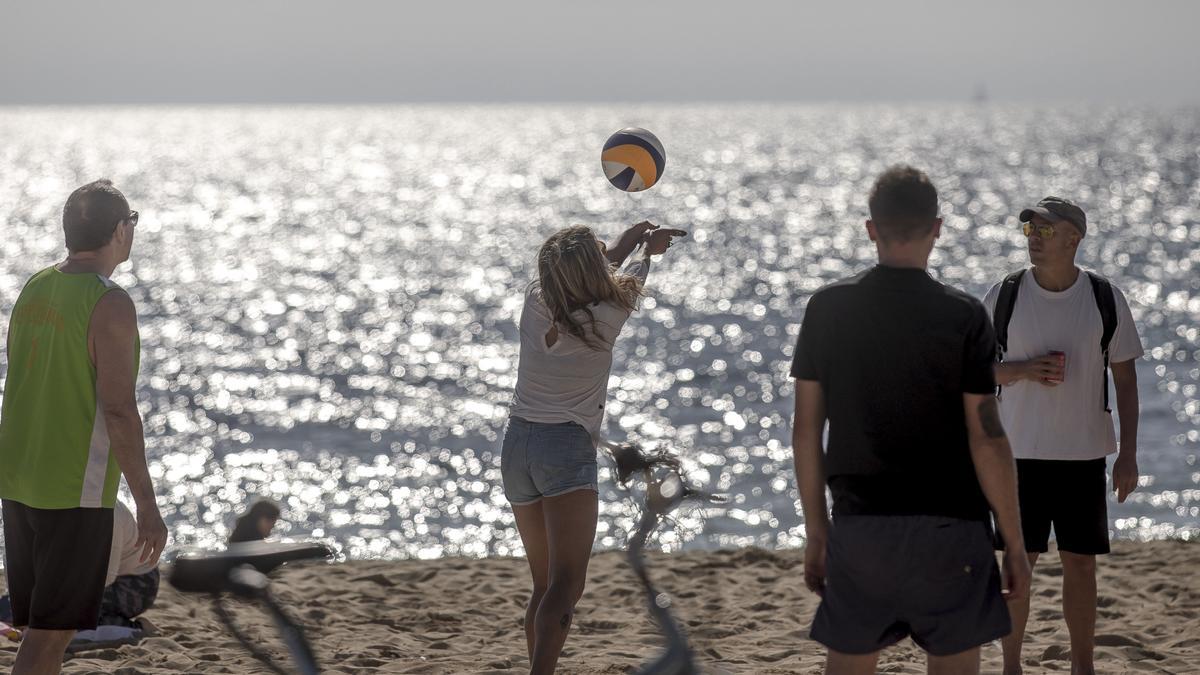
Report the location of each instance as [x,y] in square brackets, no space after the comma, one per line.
[571,319]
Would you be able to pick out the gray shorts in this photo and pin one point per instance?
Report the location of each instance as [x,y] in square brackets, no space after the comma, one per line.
[546,460]
[929,577]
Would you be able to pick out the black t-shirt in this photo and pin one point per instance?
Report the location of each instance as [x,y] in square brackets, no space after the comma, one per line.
[894,352]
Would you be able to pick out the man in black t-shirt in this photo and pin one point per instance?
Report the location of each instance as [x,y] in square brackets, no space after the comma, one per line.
[901,367]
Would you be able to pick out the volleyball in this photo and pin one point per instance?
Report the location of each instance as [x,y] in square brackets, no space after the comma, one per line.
[633,159]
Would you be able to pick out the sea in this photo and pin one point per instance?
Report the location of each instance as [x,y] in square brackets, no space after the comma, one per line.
[328,296]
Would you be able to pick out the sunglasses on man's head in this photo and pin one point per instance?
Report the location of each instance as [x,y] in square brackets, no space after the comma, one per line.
[1043,231]
[132,218]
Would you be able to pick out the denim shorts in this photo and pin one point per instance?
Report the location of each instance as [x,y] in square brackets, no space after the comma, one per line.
[546,460]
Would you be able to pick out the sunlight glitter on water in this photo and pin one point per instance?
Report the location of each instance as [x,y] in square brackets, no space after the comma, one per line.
[327,296]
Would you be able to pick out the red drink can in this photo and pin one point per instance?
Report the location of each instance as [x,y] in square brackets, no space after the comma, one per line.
[1062,364]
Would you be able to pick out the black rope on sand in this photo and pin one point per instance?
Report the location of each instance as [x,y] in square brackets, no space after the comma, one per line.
[666,489]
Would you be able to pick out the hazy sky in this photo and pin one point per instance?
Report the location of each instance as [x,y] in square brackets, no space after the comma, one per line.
[67,51]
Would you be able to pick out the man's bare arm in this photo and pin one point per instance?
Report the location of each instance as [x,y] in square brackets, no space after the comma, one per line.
[808,427]
[1035,370]
[997,474]
[1128,407]
[113,341]
[809,455]
[1125,469]
[994,464]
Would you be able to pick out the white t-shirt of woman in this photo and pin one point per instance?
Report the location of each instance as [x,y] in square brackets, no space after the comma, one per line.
[568,380]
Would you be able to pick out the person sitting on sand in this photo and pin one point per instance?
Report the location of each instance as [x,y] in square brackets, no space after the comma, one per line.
[569,324]
[901,367]
[131,584]
[1061,467]
[256,523]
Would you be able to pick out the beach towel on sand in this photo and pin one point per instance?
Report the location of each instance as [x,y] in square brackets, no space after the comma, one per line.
[112,636]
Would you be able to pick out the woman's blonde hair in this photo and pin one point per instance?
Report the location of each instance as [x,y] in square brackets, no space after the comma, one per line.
[574,274]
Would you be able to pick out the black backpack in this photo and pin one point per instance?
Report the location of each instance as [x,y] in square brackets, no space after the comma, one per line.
[1105,302]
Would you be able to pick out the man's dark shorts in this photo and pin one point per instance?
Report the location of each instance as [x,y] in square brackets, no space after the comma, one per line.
[929,577]
[56,562]
[1071,496]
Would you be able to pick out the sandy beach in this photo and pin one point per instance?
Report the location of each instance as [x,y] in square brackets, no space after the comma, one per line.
[747,612]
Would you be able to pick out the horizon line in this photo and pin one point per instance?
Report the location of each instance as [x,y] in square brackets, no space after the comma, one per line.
[998,102]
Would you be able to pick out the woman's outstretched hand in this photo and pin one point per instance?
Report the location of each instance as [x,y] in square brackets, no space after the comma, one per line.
[658,240]
[628,241]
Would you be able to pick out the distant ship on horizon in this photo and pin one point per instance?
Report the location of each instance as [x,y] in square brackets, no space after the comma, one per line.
[980,96]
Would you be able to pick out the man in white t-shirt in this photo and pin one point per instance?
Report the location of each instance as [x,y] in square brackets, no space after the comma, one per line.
[1054,404]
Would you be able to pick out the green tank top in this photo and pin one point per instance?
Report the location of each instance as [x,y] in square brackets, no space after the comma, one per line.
[54,448]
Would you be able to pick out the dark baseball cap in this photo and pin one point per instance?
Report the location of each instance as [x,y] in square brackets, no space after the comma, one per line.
[1055,209]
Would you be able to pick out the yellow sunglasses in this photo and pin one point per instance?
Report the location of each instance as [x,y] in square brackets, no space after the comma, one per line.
[1044,231]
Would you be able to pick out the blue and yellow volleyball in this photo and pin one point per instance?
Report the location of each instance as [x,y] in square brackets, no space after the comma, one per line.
[633,159]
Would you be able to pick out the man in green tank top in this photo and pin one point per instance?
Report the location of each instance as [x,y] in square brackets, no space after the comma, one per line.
[69,428]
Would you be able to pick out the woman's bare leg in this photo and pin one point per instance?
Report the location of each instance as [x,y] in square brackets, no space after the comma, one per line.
[532,526]
[570,531]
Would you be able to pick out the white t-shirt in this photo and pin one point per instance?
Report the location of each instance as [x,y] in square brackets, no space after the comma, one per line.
[123,557]
[1067,421]
[568,381]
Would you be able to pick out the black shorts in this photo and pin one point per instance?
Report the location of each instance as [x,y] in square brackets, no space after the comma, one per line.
[929,577]
[56,562]
[1071,495]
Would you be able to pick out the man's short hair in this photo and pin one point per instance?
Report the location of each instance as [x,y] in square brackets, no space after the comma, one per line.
[92,214]
[903,204]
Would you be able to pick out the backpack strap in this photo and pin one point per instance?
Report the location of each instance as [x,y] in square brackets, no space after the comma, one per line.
[1107,304]
[1006,300]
